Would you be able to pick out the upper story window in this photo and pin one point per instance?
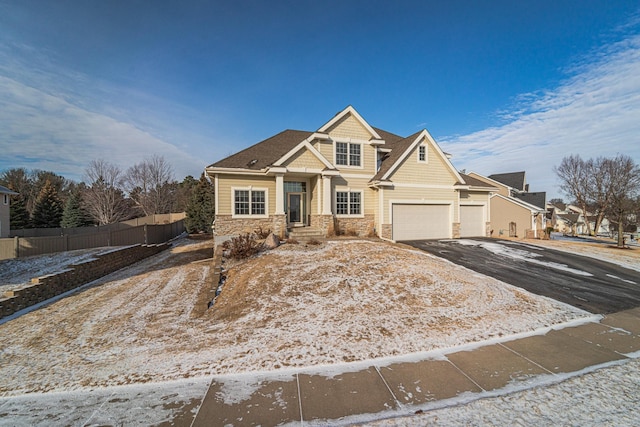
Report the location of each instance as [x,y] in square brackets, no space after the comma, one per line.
[422,153]
[249,202]
[348,154]
[6,199]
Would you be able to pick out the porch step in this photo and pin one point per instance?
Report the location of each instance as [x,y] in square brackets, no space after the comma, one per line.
[305,234]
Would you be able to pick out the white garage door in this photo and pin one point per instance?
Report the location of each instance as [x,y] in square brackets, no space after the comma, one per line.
[472,221]
[413,222]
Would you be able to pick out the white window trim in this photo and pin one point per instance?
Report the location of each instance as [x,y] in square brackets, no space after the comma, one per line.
[249,189]
[426,155]
[349,191]
[349,144]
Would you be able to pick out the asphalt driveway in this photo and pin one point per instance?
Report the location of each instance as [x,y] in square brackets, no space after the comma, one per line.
[588,283]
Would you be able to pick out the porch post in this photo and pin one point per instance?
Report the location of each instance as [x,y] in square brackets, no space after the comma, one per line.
[326,195]
[279,194]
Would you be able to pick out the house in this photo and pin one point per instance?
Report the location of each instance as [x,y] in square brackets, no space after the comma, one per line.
[348,177]
[515,212]
[570,219]
[5,213]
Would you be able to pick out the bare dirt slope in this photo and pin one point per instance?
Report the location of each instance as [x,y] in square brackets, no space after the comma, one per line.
[293,306]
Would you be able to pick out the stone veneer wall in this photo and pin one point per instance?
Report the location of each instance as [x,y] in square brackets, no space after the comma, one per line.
[455,229]
[360,226]
[227,225]
[386,231]
[43,288]
[324,223]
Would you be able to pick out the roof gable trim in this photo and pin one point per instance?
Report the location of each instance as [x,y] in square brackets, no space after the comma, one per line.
[424,135]
[354,113]
[306,144]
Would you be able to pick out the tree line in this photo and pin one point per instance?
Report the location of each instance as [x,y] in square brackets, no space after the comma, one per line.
[107,195]
[607,187]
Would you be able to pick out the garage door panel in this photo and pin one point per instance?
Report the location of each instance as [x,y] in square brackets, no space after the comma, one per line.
[472,222]
[419,221]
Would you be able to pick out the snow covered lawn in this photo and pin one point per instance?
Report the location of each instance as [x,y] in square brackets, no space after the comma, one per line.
[294,306]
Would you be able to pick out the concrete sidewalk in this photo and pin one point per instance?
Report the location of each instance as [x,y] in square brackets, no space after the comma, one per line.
[386,388]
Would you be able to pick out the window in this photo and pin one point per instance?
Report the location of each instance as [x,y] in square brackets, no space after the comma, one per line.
[422,153]
[257,203]
[348,202]
[249,202]
[348,154]
[6,199]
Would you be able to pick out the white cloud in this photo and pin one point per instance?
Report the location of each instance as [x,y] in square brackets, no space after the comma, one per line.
[594,113]
[53,118]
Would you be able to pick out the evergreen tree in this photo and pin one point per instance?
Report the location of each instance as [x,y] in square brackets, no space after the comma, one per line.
[47,211]
[74,215]
[200,210]
[18,213]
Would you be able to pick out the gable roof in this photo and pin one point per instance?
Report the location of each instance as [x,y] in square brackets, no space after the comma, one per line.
[264,153]
[520,203]
[344,113]
[474,182]
[401,150]
[511,179]
[536,199]
[5,190]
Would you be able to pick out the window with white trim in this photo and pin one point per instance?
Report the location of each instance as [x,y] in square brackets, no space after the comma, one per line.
[249,202]
[348,154]
[348,202]
[422,153]
[6,199]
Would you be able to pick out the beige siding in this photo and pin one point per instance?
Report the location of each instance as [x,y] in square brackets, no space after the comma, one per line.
[326,149]
[304,159]
[434,172]
[314,196]
[349,127]
[227,182]
[503,212]
[474,197]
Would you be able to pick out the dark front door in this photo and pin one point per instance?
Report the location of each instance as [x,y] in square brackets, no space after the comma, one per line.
[295,208]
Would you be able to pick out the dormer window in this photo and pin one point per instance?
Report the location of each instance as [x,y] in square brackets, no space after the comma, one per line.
[348,154]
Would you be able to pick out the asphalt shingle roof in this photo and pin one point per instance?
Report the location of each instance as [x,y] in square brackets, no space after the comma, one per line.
[264,153]
[512,179]
[538,199]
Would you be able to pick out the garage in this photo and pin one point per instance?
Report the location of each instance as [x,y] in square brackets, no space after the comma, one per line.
[418,221]
[472,223]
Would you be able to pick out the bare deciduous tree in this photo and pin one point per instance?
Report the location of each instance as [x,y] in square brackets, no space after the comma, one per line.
[625,187]
[574,181]
[103,197]
[149,185]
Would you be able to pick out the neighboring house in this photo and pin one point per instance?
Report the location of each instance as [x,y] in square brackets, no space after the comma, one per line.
[514,211]
[570,219]
[348,177]
[5,213]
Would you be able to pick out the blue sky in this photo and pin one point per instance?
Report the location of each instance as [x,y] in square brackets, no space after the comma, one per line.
[501,85]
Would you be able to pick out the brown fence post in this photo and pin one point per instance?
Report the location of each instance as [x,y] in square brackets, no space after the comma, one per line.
[146,240]
[16,247]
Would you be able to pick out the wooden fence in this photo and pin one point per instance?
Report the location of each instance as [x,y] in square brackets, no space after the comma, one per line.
[124,234]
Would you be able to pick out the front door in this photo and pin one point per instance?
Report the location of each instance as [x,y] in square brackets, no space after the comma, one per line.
[294,211]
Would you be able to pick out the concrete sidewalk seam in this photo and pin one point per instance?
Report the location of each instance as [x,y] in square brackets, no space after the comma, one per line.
[465,374]
[299,399]
[526,358]
[400,405]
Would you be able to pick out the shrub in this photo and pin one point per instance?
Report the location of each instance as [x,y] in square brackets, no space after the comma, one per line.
[243,246]
[314,242]
[262,234]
